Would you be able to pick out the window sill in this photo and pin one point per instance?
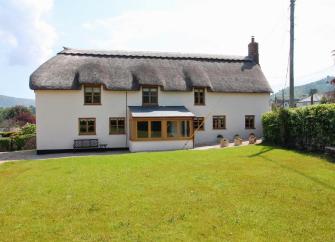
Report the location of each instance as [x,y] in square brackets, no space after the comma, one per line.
[150,104]
[87,134]
[92,104]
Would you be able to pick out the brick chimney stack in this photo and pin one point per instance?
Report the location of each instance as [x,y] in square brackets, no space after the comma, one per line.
[253,50]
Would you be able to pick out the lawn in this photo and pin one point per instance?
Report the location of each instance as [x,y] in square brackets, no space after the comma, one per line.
[252,193]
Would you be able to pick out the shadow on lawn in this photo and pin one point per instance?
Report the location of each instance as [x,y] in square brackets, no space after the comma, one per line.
[264,150]
[269,148]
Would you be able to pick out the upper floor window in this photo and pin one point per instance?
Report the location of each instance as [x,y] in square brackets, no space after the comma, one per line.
[87,126]
[92,95]
[219,122]
[199,96]
[117,125]
[249,121]
[199,123]
[150,96]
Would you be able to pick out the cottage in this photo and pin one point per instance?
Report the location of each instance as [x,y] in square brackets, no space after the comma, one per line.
[147,100]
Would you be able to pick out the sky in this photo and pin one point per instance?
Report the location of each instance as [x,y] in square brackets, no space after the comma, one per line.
[32,31]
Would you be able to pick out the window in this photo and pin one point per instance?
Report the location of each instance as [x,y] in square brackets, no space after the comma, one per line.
[199,96]
[142,129]
[87,126]
[156,129]
[117,125]
[171,128]
[92,95]
[161,129]
[249,121]
[185,129]
[199,123]
[219,122]
[150,96]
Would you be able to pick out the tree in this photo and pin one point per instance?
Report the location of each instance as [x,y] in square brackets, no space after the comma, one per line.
[20,114]
[311,93]
[323,100]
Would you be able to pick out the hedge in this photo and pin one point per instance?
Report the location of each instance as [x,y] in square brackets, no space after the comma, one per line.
[311,127]
[19,142]
[5,144]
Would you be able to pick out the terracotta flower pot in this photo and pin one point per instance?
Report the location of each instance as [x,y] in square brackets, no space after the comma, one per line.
[224,142]
[237,141]
[252,138]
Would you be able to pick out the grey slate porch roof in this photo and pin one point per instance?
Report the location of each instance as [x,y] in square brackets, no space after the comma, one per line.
[159,111]
[127,71]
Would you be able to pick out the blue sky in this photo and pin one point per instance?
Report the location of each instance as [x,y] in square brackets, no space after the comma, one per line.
[31,31]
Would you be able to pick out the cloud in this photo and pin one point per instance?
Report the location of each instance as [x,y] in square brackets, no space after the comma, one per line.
[225,27]
[24,32]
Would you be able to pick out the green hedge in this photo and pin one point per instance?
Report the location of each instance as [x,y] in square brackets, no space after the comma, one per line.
[19,142]
[5,144]
[311,127]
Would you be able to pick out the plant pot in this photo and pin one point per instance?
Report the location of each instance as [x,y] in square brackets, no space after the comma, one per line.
[224,142]
[252,139]
[237,141]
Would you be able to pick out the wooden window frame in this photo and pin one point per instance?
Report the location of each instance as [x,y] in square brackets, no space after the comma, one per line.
[117,119]
[196,119]
[92,94]
[87,133]
[150,95]
[218,117]
[163,120]
[197,100]
[245,121]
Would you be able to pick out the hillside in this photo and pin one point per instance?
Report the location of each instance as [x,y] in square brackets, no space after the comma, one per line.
[302,91]
[6,101]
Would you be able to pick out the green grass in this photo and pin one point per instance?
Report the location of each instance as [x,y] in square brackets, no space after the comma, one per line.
[252,193]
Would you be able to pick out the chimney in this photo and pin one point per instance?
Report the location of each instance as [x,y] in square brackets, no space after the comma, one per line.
[253,50]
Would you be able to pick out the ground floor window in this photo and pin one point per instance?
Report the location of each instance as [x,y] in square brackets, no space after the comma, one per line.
[117,125]
[219,122]
[199,123]
[250,121]
[161,129]
[87,126]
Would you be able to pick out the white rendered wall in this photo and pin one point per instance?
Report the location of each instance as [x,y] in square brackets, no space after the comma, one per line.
[58,113]
[234,105]
[135,146]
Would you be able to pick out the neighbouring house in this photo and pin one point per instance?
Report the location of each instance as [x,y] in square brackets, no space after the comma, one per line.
[147,100]
[308,100]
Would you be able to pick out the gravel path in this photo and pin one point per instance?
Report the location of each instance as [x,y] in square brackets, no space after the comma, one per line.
[31,154]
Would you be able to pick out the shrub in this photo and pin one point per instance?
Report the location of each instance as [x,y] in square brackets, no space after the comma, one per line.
[20,141]
[5,144]
[311,127]
[8,134]
[28,128]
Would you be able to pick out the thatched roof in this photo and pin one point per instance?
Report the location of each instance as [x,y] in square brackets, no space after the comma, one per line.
[120,70]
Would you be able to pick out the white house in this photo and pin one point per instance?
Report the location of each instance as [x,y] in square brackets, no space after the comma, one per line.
[146,100]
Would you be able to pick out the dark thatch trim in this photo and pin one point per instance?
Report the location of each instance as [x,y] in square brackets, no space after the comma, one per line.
[127,71]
